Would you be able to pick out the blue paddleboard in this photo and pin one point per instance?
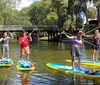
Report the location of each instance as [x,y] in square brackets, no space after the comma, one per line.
[69,70]
[86,63]
[6,62]
[25,66]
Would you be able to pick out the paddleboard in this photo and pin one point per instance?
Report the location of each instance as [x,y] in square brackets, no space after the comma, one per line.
[6,62]
[24,66]
[69,70]
[86,63]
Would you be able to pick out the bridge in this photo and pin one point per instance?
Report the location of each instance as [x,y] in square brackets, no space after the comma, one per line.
[51,30]
[27,28]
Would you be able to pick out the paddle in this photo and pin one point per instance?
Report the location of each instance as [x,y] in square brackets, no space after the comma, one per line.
[26,37]
[84,53]
[24,40]
[86,33]
[92,30]
[82,39]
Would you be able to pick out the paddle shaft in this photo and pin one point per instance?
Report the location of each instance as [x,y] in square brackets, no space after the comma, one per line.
[27,37]
[92,30]
[84,41]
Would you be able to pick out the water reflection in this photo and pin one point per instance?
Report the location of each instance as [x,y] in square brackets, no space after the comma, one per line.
[42,53]
[25,78]
[4,78]
[56,45]
[57,53]
[5,68]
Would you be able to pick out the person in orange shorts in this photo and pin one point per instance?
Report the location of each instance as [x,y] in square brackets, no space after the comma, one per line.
[24,45]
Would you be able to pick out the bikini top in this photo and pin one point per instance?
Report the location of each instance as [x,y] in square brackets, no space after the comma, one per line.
[5,41]
[96,40]
[77,42]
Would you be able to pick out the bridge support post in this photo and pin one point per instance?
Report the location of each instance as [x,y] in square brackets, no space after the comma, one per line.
[35,36]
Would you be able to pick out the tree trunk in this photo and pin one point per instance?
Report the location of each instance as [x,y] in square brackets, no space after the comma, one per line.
[98,11]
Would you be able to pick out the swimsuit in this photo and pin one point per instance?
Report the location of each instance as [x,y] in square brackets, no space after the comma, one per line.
[5,46]
[75,51]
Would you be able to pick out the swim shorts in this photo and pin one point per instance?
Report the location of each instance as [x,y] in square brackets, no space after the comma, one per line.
[25,50]
[76,52]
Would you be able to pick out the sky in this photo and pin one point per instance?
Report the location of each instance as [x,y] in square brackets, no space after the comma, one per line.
[25,3]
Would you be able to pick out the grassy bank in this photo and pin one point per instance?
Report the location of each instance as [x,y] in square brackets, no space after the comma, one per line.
[44,38]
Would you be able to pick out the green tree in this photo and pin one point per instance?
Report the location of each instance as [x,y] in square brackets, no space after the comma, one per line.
[91,13]
[1,20]
[77,4]
[23,17]
[51,18]
[38,12]
[8,12]
[59,7]
[97,5]
[75,7]
[6,7]
[48,12]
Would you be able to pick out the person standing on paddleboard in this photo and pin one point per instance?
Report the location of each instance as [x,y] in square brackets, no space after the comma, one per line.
[78,44]
[5,43]
[24,45]
[96,45]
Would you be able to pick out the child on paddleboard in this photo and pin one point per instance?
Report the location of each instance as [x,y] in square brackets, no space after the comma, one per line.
[5,43]
[96,45]
[78,44]
[24,45]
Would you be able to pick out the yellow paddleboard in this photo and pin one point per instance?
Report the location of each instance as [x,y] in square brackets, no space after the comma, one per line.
[86,63]
[69,70]
[24,66]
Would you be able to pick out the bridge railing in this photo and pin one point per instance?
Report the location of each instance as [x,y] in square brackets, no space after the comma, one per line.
[10,27]
[23,27]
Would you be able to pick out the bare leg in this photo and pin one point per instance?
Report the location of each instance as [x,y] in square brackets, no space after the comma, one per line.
[3,54]
[97,52]
[21,57]
[93,55]
[27,53]
[79,62]
[73,62]
[27,57]
[7,53]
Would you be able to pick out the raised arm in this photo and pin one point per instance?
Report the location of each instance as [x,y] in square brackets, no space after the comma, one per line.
[30,37]
[70,37]
[1,39]
[10,35]
[90,36]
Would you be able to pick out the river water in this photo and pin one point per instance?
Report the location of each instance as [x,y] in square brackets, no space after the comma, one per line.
[42,53]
